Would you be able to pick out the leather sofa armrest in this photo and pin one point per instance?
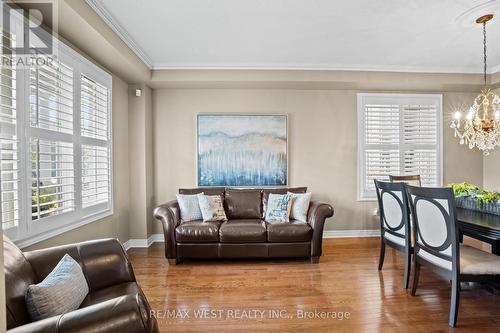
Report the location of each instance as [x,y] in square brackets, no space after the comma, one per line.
[117,315]
[318,213]
[169,216]
[104,262]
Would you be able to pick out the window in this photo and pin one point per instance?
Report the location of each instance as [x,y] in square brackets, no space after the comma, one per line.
[398,134]
[56,164]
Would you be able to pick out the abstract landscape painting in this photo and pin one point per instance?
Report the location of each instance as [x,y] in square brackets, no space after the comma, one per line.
[242,150]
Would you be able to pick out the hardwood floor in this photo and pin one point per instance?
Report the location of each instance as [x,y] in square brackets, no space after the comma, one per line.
[345,282]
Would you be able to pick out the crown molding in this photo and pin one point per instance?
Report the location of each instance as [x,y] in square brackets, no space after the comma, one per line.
[333,67]
[106,16]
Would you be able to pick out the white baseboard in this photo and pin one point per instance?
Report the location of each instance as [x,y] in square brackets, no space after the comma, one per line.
[135,243]
[350,233]
[141,242]
[154,238]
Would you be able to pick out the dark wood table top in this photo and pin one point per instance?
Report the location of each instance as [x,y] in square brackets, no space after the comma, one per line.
[482,226]
[479,220]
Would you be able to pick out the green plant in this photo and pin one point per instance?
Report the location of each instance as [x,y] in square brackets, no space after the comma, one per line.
[488,197]
[465,189]
[47,201]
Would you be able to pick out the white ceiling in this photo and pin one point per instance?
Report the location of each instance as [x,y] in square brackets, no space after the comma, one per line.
[399,35]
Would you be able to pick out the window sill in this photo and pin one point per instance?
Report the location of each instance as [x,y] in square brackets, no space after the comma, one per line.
[30,240]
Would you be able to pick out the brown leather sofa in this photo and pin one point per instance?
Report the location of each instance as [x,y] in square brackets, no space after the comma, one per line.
[115,303]
[245,234]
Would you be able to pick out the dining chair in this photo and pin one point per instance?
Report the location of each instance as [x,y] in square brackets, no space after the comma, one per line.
[394,223]
[436,244]
[413,180]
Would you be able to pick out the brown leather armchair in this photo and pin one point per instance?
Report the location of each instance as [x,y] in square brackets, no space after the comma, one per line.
[115,302]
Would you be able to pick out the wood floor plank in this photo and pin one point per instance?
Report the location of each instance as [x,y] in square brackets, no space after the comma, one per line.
[345,281]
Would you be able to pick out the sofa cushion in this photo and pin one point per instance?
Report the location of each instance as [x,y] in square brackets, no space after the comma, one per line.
[206,190]
[244,230]
[243,203]
[293,231]
[281,190]
[197,232]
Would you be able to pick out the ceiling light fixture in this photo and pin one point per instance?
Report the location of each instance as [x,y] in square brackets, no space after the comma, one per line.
[480,125]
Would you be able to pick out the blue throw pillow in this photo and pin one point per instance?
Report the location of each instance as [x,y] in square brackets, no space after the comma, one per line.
[63,290]
[278,208]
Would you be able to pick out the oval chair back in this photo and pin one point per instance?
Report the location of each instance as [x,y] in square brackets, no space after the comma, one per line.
[434,227]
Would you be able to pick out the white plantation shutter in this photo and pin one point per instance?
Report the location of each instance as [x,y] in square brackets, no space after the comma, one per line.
[379,164]
[9,145]
[420,124]
[382,124]
[421,138]
[53,179]
[55,143]
[423,162]
[50,131]
[95,153]
[94,109]
[398,134]
[382,135]
[51,97]
[96,187]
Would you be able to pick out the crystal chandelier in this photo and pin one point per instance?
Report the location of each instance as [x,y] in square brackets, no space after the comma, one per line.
[480,125]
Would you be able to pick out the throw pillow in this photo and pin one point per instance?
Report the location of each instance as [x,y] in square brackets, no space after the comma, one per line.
[211,208]
[300,206]
[189,207]
[278,208]
[63,290]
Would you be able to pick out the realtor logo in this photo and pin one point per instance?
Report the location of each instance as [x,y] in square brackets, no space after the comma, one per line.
[26,34]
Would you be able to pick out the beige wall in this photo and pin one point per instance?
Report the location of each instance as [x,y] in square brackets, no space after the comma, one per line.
[492,171]
[140,160]
[492,166]
[460,163]
[322,143]
[495,80]
[149,183]
[115,226]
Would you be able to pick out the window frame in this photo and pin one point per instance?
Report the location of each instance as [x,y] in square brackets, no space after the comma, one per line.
[395,99]
[31,231]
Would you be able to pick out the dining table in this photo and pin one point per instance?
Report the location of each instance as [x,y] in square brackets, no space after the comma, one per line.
[482,226]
